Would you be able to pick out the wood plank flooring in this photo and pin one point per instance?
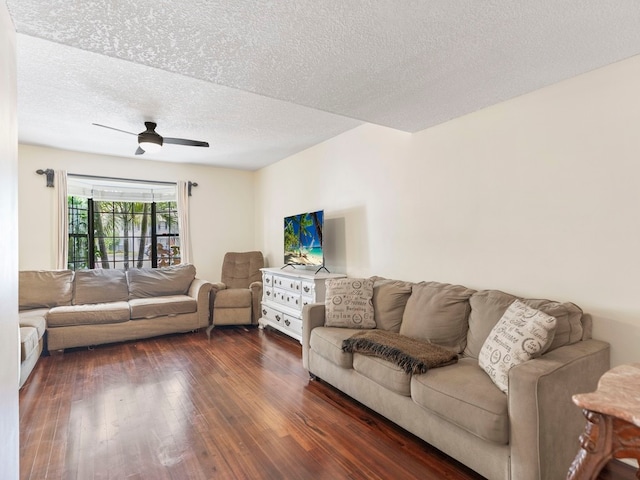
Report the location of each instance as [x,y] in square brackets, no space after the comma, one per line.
[238,406]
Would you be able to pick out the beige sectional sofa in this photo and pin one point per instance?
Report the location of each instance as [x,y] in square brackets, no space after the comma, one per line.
[93,307]
[529,432]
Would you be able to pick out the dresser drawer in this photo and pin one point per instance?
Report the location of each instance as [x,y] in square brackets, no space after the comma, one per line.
[308,288]
[306,300]
[290,284]
[288,298]
[267,293]
[293,324]
[272,314]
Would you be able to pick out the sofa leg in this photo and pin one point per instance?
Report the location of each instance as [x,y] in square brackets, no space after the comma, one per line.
[209,328]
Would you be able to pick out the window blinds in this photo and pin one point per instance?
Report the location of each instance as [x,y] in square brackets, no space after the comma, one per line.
[120,190]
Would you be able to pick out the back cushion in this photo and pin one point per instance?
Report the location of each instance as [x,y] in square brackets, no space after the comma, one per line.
[439,313]
[569,320]
[45,288]
[100,286]
[240,269]
[389,301]
[488,306]
[157,282]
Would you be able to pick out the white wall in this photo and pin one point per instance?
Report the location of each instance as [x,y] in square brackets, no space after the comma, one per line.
[222,206]
[9,351]
[538,196]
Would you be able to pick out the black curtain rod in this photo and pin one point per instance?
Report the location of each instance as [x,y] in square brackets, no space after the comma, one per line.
[50,174]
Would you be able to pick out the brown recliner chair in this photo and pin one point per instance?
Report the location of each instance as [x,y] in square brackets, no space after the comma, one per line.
[235,300]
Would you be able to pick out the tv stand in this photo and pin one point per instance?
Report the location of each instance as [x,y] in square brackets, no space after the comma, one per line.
[293,265]
[285,293]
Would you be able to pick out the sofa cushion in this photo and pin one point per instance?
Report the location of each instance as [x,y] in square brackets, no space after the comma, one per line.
[384,373]
[100,286]
[89,314]
[157,282]
[35,318]
[162,306]
[520,335]
[568,320]
[349,303]
[28,342]
[389,301]
[327,342]
[488,306]
[233,298]
[464,394]
[45,288]
[438,312]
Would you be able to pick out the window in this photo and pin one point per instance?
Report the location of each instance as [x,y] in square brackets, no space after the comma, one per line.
[121,224]
[122,235]
[78,209]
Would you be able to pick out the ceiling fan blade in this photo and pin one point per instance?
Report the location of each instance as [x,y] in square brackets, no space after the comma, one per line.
[112,128]
[184,141]
[139,151]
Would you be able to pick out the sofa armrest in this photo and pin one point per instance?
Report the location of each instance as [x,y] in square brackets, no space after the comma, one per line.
[217,286]
[545,423]
[312,317]
[200,290]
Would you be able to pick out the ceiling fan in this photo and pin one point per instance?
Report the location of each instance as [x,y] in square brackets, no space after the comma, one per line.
[151,141]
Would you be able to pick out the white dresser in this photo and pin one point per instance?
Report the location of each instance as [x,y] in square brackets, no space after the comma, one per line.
[285,292]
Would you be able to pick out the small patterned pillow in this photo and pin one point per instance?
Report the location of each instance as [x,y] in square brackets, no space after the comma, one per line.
[349,303]
[520,335]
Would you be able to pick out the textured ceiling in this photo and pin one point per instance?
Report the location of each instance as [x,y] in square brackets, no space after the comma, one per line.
[261,80]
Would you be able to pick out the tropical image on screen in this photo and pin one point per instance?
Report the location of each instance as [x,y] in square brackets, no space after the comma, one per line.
[303,239]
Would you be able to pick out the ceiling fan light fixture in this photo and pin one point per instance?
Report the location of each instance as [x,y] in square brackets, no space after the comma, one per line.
[150,142]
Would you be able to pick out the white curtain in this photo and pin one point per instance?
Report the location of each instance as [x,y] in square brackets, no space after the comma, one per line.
[61,220]
[183,222]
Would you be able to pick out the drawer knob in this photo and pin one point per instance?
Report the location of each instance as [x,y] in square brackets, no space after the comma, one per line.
[264,312]
[287,323]
[306,289]
[278,318]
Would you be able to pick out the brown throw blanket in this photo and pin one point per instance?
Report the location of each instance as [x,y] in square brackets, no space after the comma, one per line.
[410,354]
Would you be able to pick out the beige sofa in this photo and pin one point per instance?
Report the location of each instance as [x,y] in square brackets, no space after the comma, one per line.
[531,432]
[93,307]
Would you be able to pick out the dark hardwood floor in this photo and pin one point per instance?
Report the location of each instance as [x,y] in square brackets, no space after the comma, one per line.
[238,406]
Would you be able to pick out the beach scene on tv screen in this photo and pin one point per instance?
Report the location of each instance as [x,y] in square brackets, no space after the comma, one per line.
[303,239]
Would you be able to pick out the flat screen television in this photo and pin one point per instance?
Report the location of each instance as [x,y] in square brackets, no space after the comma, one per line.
[303,239]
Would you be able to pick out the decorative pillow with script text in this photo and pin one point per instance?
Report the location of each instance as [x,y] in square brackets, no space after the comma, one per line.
[520,335]
[349,303]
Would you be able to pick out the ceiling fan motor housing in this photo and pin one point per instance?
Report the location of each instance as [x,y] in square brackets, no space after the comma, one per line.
[150,135]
